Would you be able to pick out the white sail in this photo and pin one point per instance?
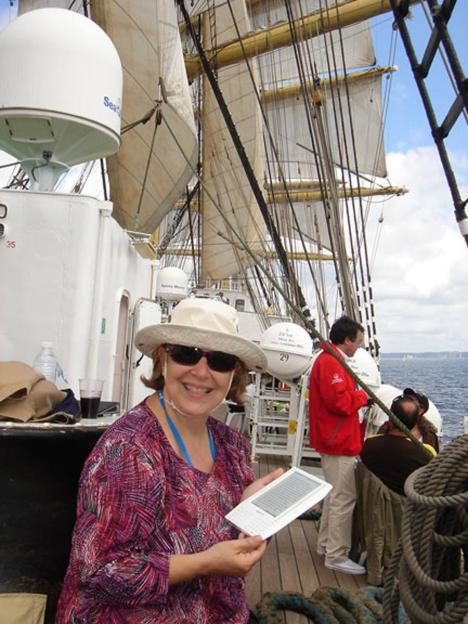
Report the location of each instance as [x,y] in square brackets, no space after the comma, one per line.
[146,182]
[289,124]
[223,173]
[309,218]
[366,129]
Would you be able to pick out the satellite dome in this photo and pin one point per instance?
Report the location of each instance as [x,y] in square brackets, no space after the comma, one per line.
[288,349]
[171,284]
[60,93]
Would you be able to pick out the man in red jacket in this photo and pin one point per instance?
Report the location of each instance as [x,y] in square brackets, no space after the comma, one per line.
[335,432]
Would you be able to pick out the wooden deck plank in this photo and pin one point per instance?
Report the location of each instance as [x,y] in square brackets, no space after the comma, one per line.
[307,573]
[325,576]
[290,579]
[253,586]
[270,563]
[289,573]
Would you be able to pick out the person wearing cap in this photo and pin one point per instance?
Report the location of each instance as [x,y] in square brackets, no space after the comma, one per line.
[151,543]
[335,432]
[424,430]
[391,456]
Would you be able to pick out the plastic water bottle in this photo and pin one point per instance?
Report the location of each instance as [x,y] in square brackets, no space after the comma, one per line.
[46,363]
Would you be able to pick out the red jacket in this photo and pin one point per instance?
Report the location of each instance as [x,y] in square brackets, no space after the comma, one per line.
[334,402]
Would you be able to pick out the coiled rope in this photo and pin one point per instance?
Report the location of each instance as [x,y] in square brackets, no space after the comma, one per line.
[327,605]
[429,569]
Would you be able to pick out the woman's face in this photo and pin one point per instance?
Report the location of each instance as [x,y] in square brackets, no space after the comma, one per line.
[196,390]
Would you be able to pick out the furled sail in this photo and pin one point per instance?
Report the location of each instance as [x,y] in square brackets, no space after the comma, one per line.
[153,164]
[224,177]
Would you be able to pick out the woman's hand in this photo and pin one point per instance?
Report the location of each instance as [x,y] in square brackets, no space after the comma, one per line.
[234,557]
[260,483]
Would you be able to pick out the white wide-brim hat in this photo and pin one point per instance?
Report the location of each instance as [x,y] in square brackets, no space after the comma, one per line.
[204,323]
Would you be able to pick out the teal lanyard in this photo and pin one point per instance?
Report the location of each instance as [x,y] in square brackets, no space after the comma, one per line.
[178,437]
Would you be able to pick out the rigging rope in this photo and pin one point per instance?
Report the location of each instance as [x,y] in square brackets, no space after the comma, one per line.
[358,216]
[313,113]
[157,123]
[432,558]
[247,166]
[270,145]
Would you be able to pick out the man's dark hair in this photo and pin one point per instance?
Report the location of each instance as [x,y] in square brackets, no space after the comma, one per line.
[420,398]
[344,327]
[406,410]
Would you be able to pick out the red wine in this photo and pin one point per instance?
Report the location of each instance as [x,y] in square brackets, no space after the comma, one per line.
[89,407]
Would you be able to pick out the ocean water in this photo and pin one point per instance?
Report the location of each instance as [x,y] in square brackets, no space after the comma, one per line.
[445,382]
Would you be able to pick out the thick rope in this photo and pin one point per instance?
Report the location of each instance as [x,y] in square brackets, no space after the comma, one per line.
[429,569]
[327,605]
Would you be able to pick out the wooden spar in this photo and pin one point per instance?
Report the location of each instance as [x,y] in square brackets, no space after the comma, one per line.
[295,90]
[313,195]
[292,185]
[308,192]
[271,255]
[278,36]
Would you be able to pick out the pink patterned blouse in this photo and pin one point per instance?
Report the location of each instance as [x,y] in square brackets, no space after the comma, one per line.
[138,504]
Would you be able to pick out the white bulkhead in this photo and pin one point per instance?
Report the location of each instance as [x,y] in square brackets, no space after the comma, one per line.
[68,274]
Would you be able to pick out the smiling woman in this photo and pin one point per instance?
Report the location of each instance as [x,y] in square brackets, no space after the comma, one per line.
[151,542]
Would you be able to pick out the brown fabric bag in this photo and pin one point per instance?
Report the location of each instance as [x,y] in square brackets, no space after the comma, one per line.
[24,394]
[22,608]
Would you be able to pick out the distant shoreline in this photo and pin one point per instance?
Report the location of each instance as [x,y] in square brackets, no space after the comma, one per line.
[427,355]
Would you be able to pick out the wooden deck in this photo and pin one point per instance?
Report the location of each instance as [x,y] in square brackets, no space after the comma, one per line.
[291,562]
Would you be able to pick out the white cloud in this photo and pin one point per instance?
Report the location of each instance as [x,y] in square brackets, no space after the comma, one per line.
[420,274]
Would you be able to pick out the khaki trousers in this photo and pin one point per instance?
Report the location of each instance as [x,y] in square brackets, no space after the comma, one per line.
[334,537]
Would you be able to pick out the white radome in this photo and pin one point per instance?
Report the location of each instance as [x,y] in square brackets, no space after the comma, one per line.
[60,94]
[288,349]
[171,284]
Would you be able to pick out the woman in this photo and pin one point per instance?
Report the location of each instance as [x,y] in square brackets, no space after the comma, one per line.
[150,544]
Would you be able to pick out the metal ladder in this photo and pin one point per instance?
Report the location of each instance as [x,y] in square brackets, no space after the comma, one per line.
[440,14]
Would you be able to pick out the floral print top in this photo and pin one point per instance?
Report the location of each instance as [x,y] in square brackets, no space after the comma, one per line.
[138,504]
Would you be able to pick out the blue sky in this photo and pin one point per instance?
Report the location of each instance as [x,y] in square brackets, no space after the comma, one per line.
[7,10]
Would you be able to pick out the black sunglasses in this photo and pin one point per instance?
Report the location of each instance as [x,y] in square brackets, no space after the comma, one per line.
[189,356]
